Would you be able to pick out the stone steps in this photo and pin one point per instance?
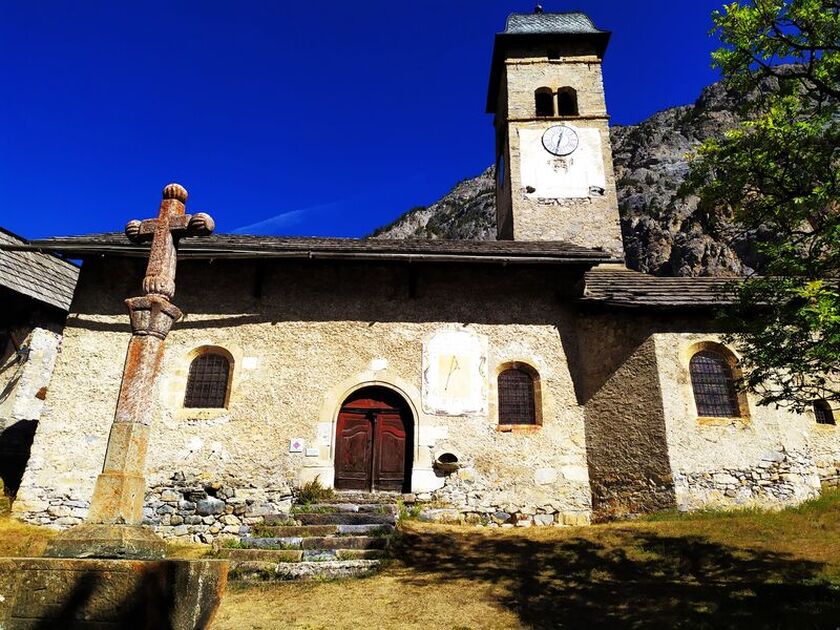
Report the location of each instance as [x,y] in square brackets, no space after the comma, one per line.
[335,539]
[375,508]
[303,531]
[316,542]
[260,555]
[357,497]
[344,518]
[320,570]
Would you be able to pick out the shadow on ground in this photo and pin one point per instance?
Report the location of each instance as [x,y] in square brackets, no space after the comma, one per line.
[640,579]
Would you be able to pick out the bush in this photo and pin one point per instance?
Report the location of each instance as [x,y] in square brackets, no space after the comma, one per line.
[314,492]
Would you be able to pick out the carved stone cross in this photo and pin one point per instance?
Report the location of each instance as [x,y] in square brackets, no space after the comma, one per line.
[171,224]
[113,527]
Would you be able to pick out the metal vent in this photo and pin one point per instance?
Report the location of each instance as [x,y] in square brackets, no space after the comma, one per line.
[208,382]
[516,398]
[714,386]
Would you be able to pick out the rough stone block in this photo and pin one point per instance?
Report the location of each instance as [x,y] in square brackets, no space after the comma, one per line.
[210,505]
[125,594]
[544,519]
[773,456]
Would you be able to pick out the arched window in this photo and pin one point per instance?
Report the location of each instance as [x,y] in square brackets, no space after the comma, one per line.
[544,101]
[823,412]
[714,385]
[567,104]
[517,397]
[207,384]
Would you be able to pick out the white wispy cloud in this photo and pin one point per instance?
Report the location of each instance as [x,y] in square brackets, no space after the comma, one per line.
[284,219]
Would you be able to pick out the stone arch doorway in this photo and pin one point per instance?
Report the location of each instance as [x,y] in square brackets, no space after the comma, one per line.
[374,442]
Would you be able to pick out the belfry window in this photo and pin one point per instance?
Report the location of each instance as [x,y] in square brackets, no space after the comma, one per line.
[714,385]
[517,397]
[823,413]
[567,104]
[207,383]
[544,101]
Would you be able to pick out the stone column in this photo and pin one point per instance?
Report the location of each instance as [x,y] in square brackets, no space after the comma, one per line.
[113,527]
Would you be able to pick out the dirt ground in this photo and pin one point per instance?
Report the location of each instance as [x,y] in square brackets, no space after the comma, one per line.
[714,570]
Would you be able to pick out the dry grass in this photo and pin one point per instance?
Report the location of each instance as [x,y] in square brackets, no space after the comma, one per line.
[746,570]
[20,539]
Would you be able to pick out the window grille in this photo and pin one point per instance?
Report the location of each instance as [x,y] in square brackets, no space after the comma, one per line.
[823,412]
[714,386]
[207,383]
[516,398]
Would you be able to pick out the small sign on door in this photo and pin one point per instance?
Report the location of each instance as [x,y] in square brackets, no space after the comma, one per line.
[296,445]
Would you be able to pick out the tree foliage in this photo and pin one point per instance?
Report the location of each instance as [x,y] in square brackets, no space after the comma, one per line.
[777,176]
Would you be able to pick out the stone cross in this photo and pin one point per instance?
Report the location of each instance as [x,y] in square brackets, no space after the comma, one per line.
[113,527]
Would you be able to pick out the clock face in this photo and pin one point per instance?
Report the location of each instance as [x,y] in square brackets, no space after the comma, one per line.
[560,140]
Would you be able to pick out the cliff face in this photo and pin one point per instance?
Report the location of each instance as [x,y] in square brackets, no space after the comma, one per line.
[663,234]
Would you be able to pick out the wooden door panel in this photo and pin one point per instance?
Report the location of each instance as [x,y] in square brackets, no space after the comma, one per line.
[353,452]
[389,452]
[373,443]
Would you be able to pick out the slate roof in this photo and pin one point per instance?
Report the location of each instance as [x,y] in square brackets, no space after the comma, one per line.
[573,22]
[43,277]
[245,246]
[623,287]
[530,29]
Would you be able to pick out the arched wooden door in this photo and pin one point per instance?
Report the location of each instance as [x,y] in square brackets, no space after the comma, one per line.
[373,445]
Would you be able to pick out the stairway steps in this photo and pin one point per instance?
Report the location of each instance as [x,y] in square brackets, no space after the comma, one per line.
[359,554]
[302,531]
[344,518]
[260,571]
[362,498]
[375,508]
[345,542]
[262,555]
[345,536]
[369,529]
[264,542]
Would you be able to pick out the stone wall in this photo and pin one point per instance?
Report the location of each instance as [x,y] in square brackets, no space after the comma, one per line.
[778,478]
[769,457]
[617,406]
[627,451]
[590,220]
[24,384]
[302,338]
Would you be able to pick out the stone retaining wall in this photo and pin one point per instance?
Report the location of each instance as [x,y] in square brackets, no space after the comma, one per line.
[779,478]
[201,510]
[469,499]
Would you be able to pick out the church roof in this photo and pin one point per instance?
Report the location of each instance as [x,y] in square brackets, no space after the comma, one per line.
[623,287]
[573,22]
[246,246]
[43,277]
[529,29]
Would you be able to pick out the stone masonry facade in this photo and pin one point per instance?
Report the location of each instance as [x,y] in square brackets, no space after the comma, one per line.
[618,435]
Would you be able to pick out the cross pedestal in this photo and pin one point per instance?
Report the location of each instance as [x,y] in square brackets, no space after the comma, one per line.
[113,526]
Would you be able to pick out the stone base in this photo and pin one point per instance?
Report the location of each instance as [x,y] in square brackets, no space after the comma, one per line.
[93,540]
[105,594]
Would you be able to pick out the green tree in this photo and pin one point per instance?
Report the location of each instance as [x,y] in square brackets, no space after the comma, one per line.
[777,176]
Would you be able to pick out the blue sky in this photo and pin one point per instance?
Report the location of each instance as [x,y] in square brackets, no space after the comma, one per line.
[310,118]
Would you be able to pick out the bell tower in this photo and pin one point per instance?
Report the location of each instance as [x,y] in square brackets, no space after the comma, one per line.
[554,165]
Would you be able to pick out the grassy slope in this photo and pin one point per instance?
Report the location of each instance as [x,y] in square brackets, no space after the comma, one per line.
[714,570]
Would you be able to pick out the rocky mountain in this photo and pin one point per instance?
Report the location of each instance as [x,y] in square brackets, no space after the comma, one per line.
[663,234]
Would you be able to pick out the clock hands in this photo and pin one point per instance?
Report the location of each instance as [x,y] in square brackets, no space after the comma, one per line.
[560,139]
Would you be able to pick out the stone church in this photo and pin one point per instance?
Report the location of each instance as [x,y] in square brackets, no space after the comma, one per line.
[530,380]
